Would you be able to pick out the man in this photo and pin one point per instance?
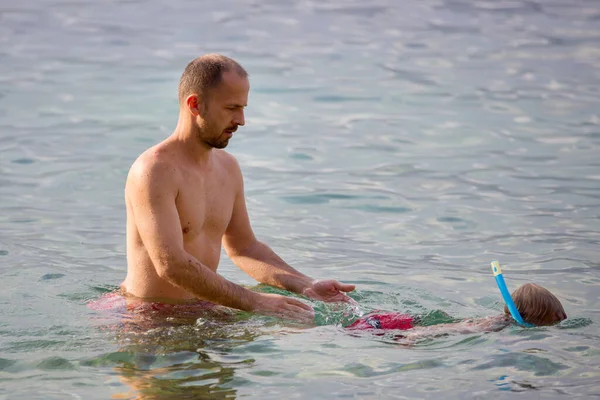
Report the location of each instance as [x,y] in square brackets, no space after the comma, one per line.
[185,197]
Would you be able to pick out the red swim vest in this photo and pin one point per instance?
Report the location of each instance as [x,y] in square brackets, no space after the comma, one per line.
[384,321]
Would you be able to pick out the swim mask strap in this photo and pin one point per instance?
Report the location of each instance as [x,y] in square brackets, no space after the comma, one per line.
[506,295]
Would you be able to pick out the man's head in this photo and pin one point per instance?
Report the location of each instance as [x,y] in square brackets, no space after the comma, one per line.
[537,305]
[213,90]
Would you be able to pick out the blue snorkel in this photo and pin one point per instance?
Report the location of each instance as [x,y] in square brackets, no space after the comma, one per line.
[506,295]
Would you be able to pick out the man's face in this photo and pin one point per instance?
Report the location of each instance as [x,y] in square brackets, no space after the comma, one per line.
[223,110]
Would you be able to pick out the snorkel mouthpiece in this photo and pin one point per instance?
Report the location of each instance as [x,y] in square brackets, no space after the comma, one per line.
[512,308]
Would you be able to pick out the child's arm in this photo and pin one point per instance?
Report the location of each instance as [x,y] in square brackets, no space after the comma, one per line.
[478,325]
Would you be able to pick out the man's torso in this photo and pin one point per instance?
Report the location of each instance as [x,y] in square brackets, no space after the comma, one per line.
[204,201]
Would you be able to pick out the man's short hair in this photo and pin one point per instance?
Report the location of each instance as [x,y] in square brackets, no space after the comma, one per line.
[205,73]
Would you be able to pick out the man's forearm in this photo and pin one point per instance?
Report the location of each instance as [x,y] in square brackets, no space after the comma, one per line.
[191,275]
[264,265]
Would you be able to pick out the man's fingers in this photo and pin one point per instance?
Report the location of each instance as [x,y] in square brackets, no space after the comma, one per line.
[290,308]
[302,316]
[345,297]
[299,304]
[339,296]
[297,314]
[309,313]
[297,310]
[344,287]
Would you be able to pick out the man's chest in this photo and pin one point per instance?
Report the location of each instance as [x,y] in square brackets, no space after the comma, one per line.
[205,207]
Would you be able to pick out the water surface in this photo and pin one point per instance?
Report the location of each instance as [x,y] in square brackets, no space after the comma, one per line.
[399,146]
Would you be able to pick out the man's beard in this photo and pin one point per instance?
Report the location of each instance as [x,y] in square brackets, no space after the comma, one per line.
[213,141]
[216,143]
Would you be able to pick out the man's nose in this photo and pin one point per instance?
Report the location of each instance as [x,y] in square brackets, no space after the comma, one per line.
[239,118]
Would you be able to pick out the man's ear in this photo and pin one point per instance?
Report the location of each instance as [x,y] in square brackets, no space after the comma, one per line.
[193,104]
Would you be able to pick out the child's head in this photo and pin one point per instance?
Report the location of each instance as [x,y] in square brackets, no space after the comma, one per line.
[537,305]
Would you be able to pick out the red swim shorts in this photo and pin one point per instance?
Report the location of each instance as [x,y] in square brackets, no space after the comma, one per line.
[115,302]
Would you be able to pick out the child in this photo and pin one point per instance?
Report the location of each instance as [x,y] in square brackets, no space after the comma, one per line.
[536,305]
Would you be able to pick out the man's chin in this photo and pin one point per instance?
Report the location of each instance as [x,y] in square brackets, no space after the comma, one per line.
[217,145]
[220,145]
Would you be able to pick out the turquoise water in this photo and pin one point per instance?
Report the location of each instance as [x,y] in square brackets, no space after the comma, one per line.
[399,146]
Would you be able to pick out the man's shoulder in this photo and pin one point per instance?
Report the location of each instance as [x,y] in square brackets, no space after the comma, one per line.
[154,164]
[229,161]
[225,156]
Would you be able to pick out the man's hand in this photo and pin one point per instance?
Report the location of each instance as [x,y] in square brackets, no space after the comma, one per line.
[284,307]
[328,290]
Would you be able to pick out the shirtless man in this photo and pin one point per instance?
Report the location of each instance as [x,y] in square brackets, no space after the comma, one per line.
[185,197]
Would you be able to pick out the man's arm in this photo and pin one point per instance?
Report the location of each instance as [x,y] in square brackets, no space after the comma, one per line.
[152,193]
[260,262]
[254,257]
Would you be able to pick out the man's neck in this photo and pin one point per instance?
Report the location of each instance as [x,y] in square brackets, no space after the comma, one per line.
[187,138]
